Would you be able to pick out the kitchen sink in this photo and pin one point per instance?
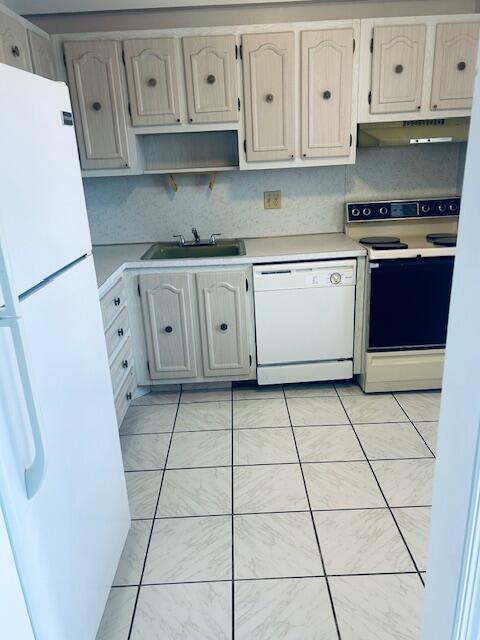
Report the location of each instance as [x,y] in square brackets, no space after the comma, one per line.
[171,250]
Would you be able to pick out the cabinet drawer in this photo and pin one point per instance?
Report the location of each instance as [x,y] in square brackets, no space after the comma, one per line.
[112,302]
[125,395]
[120,366]
[117,333]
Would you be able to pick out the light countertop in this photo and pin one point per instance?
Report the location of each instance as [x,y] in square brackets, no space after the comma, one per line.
[110,260]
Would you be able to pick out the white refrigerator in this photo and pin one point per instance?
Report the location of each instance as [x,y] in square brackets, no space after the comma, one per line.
[62,487]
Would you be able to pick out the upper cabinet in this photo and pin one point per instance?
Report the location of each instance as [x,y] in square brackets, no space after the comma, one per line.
[211,78]
[13,42]
[397,68]
[97,92]
[417,68]
[152,69]
[43,56]
[269,86]
[454,65]
[327,82]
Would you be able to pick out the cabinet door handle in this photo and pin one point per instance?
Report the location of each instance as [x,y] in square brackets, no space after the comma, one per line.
[224,326]
[125,364]
[96,106]
[120,332]
[327,95]
[152,82]
[461,65]
[168,329]
[15,51]
[211,79]
[399,68]
[129,395]
[269,97]
[116,302]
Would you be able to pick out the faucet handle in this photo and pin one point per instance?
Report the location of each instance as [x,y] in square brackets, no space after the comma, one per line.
[181,241]
[213,237]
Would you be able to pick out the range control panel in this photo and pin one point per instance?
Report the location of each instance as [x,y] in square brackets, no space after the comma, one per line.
[401,209]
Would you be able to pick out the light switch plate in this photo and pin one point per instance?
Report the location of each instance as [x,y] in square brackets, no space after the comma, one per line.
[272,199]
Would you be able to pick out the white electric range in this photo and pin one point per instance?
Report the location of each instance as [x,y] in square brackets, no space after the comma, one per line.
[410,257]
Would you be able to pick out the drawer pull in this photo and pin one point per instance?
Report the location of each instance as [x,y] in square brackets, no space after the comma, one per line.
[224,326]
[211,79]
[116,302]
[125,364]
[461,66]
[399,68]
[120,332]
[269,98]
[152,82]
[327,95]
[129,395]
[15,51]
[168,329]
[96,106]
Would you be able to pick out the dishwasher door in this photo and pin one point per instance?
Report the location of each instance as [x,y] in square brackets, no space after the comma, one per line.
[304,311]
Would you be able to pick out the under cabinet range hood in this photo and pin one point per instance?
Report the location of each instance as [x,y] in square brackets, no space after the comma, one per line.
[394,134]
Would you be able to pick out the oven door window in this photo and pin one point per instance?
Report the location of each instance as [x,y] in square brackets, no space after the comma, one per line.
[409,302]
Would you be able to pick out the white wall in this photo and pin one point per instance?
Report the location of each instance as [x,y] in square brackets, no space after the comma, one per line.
[225,15]
[144,208]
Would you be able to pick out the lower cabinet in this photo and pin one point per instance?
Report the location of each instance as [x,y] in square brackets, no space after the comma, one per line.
[198,324]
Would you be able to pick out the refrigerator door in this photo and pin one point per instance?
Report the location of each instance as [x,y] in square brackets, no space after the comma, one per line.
[68,538]
[42,210]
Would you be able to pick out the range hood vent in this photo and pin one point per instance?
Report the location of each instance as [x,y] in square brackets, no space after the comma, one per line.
[392,134]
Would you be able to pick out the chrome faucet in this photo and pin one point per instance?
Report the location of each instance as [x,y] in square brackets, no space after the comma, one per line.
[197,242]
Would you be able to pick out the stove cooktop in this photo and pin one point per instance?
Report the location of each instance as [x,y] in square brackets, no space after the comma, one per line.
[373,240]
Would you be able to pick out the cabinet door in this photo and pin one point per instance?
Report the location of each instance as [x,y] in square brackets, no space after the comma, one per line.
[13,43]
[167,314]
[327,63]
[211,77]
[268,66]
[96,89]
[152,69]
[454,65]
[43,57]
[222,300]
[397,68]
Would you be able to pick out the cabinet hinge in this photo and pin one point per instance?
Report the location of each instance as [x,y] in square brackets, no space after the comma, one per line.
[64,59]
[246,284]
[123,56]
[351,139]
[138,289]
[354,45]
[129,109]
[371,45]
[250,357]
[245,146]
[369,97]
[148,366]
[241,52]
[236,52]
[238,103]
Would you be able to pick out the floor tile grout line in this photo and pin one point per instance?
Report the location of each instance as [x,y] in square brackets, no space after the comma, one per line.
[233,519]
[153,523]
[384,497]
[313,521]
[414,426]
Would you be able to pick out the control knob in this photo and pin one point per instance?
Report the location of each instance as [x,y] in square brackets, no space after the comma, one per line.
[383,211]
[442,207]
[336,278]
[425,208]
[453,206]
[355,212]
[366,211]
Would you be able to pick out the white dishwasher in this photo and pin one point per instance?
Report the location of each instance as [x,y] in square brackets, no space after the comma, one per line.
[304,316]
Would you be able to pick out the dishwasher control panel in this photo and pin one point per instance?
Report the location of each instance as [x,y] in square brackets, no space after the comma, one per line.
[304,275]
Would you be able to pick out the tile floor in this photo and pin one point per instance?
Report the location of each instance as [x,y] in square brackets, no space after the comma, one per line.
[271,513]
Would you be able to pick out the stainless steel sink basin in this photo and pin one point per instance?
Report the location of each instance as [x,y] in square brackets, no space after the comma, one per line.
[172,251]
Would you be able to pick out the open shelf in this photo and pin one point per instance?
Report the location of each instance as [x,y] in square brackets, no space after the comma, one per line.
[205,151]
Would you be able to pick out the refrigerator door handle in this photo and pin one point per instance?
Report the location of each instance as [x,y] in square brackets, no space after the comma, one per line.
[10,318]
[33,474]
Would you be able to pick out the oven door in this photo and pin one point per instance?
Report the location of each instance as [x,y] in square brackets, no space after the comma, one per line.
[409,302]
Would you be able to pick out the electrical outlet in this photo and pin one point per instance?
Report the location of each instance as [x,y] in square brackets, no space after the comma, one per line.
[272,199]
